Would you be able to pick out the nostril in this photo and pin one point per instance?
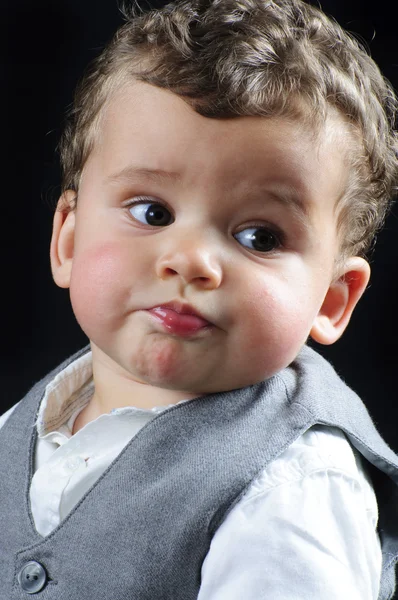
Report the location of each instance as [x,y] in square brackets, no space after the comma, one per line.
[169,271]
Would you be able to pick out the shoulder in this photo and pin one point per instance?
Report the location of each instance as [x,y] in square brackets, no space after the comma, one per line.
[321,452]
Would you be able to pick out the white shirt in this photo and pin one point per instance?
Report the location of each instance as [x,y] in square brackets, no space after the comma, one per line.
[305,528]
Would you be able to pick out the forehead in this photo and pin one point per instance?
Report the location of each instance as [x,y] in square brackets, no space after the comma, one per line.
[144,128]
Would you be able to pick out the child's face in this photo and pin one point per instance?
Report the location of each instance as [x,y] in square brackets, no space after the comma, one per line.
[244,234]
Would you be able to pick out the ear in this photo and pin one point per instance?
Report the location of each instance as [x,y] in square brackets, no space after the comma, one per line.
[340,301]
[62,240]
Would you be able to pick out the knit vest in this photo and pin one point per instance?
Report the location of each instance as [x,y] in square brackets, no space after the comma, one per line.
[144,528]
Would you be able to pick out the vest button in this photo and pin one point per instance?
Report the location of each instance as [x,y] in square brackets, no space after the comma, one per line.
[32,577]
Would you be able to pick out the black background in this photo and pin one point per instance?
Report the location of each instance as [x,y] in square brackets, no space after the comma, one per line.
[45,46]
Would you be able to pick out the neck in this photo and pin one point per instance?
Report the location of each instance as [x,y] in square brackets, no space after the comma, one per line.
[114,388]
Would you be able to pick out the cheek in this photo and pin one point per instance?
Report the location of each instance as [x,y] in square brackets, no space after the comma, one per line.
[278,314]
[99,284]
[278,322]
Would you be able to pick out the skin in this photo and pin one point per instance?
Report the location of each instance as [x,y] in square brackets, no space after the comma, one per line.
[229,176]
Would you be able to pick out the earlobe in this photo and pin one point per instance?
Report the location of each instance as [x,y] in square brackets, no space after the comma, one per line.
[340,301]
[62,240]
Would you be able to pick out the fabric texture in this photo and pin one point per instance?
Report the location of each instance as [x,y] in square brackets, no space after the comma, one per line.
[204,453]
[306,523]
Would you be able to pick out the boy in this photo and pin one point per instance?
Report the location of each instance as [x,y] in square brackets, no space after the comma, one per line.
[226,166]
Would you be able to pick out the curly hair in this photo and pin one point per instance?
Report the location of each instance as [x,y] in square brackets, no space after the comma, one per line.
[231,58]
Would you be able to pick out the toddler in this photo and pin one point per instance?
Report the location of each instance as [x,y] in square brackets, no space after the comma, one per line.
[225,168]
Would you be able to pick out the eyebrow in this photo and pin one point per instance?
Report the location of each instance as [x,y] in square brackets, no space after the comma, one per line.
[293,201]
[132,171]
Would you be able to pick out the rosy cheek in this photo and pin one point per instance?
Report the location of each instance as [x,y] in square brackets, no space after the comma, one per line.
[99,284]
[279,323]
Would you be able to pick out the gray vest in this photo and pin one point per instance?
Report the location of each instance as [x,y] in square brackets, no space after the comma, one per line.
[144,528]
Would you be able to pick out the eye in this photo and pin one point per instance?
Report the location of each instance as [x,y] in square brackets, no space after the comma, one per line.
[258,238]
[151,213]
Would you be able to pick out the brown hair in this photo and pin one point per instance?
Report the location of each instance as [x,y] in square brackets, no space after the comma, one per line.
[230,58]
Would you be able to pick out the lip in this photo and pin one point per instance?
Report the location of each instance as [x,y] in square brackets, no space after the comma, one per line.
[179,319]
[181,309]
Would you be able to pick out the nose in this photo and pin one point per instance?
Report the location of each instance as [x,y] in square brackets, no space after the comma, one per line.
[193,261]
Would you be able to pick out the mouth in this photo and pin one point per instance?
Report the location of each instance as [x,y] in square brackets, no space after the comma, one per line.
[179,319]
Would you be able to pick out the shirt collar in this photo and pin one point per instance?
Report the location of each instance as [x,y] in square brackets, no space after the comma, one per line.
[69,392]
[66,394]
